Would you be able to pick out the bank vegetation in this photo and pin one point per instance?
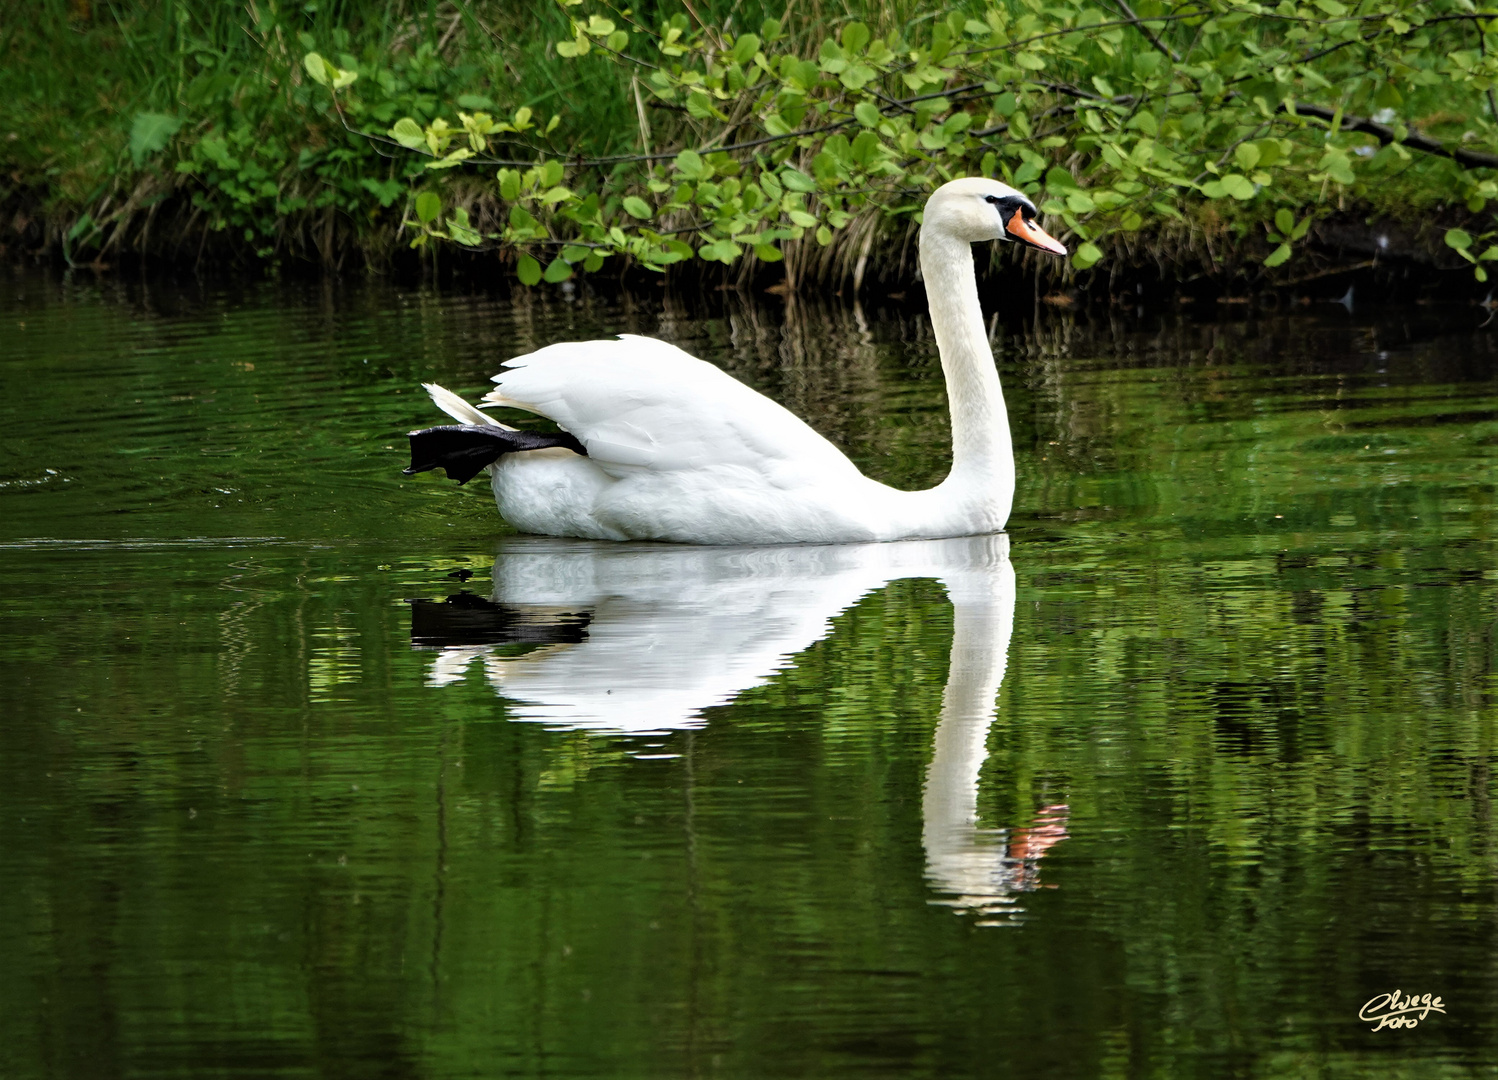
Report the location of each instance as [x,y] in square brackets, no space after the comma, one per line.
[780,144]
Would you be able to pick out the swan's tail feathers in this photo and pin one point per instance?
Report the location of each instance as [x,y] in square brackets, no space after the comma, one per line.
[464,450]
[459,409]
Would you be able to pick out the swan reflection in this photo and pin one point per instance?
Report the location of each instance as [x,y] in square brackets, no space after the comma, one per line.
[641,639]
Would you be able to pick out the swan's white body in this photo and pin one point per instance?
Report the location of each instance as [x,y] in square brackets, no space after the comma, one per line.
[679,450]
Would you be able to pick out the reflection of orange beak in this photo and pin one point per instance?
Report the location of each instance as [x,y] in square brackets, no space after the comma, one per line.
[1033,234]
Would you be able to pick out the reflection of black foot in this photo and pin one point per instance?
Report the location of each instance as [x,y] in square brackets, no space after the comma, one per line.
[462,575]
[467,619]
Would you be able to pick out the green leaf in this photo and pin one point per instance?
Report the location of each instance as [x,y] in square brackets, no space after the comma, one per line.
[1331,7]
[318,68]
[1278,256]
[81,226]
[768,253]
[855,36]
[509,184]
[795,180]
[865,148]
[149,133]
[689,162]
[1337,165]
[824,236]
[593,262]
[618,40]
[408,133]
[1086,255]
[857,76]
[957,123]
[1246,155]
[428,206]
[1058,180]
[635,206]
[461,231]
[457,157]
[744,48]
[528,270]
[551,173]
[1239,187]
[867,113]
[700,106]
[1234,184]
[1459,239]
[1284,221]
[557,271]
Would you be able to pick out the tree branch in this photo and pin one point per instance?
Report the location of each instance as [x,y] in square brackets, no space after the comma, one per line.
[1471,159]
[1147,32]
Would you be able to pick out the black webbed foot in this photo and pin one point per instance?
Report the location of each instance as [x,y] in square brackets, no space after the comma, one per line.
[464,449]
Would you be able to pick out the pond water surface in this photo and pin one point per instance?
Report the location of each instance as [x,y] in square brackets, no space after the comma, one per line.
[310,769]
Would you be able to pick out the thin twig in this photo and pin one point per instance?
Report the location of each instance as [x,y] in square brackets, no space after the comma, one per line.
[1147,32]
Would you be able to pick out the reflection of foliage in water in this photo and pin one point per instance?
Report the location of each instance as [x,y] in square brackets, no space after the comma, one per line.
[1275,734]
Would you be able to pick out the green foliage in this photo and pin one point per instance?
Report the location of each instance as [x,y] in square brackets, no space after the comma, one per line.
[1285,232]
[108,110]
[1108,122]
[1462,242]
[149,133]
[740,136]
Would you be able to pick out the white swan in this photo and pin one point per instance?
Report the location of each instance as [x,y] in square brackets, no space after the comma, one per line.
[658,445]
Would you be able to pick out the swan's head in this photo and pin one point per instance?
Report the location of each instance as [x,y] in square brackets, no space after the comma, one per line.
[976,208]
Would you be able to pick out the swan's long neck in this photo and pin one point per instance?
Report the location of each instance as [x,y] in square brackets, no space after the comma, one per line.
[982,451]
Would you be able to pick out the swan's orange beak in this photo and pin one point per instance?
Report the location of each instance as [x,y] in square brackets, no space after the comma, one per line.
[1030,233]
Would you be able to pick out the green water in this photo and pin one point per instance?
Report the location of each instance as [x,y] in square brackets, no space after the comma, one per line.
[1208,767]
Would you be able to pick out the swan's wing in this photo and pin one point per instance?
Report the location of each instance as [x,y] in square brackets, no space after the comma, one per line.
[459,409]
[640,404]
